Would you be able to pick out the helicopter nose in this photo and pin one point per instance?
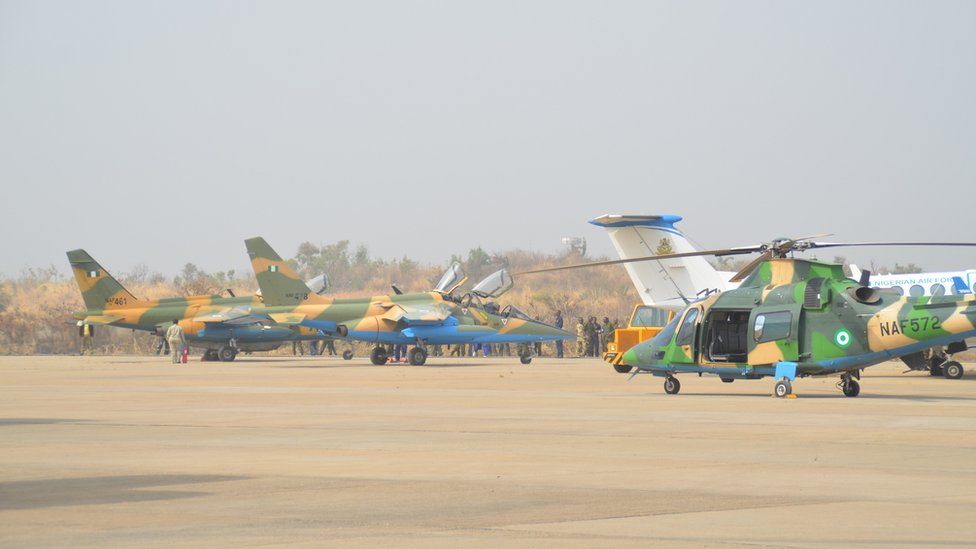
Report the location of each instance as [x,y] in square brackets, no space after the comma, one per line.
[630,357]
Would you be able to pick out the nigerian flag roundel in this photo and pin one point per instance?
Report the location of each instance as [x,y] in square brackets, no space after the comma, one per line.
[273,268]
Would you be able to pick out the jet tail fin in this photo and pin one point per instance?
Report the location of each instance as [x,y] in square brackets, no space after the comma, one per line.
[280,284]
[99,289]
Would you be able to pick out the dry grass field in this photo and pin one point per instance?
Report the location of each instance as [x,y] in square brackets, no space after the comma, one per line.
[109,451]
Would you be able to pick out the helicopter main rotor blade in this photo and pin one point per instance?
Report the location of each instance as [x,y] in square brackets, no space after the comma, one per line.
[751,266]
[812,237]
[717,253]
[852,244]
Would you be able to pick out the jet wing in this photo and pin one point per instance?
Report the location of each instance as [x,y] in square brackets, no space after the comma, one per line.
[417,314]
[288,319]
[102,319]
[231,315]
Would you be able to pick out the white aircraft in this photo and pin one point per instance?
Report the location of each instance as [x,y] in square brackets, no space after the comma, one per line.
[919,284]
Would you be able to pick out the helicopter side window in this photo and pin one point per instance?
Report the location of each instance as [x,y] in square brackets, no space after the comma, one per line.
[772,326]
[687,331]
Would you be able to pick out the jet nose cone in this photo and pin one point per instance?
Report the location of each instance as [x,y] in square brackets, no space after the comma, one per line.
[544,331]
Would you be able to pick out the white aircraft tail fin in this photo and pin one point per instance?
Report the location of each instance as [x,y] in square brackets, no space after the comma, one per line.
[669,282]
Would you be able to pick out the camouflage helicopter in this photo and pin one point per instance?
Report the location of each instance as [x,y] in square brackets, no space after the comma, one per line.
[222,326]
[794,318]
[425,318]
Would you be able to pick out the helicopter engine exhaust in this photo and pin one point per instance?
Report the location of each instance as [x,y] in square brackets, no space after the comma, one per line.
[867,295]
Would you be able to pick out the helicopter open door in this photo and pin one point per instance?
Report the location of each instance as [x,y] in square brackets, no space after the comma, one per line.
[451,279]
[685,348]
[494,285]
[774,334]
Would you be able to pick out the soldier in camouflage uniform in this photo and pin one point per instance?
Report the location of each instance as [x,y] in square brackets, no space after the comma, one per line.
[580,337]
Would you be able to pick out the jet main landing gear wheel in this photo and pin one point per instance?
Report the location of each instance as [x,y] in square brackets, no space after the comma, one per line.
[525,359]
[417,356]
[783,388]
[952,370]
[378,356]
[622,368]
[672,385]
[227,354]
[347,355]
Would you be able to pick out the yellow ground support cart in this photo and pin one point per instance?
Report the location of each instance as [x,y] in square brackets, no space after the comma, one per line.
[645,322]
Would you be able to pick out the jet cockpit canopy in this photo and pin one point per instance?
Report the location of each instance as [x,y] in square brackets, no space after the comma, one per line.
[319,284]
[452,279]
[494,285]
[511,311]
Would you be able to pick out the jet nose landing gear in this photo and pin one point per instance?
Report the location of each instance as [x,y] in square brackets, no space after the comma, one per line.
[417,356]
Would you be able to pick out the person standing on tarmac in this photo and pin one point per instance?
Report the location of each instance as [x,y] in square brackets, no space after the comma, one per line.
[174,334]
[558,323]
[607,334]
[161,344]
[87,333]
[580,337]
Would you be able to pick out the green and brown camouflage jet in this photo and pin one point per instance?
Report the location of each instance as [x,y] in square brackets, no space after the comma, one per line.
[220,325]
[794,318]
[421,319]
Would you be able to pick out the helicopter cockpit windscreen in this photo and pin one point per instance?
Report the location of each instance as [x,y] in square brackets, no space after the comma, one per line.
[452,278]
[511,311]
[494,285]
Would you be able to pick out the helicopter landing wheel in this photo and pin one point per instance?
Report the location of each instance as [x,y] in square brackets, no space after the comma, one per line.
[417,356]
[346,355]
[783,388]
[378,356]
[525,359]
[672,385]
[850,387]
[952,370]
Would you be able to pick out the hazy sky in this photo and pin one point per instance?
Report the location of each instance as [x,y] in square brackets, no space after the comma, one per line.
[167,132]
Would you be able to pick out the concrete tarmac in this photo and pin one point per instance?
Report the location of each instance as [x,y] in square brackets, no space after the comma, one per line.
[272,451]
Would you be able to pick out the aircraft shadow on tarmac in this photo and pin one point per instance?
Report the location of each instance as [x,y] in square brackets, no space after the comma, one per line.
[55,492]
[10,421]
[801,395]
[297,363]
